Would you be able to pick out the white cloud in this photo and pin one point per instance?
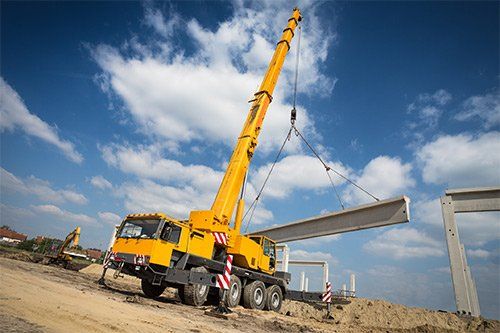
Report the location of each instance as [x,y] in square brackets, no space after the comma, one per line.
[148,162]
[147,196]
[10,215]
[439,98]
[295,172]
[38,187]
[478,253]
[182,188]
[485,107]
[441,270]
[384,177]
[404,243]
[101,182]
[14,114]
[109,218]
[428,212]
[425,112]
[163,26]
[64,215]
[222,73]
[461,160]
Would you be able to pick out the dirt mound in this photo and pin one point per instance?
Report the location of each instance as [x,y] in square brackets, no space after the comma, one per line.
[380,315]
[92,269]
[22,256]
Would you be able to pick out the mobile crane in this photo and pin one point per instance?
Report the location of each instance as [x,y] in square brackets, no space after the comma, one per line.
[163,251]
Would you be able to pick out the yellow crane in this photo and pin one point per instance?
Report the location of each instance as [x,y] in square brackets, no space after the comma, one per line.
[163,251]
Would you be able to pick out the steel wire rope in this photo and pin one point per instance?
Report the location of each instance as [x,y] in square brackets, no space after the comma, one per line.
[253,206]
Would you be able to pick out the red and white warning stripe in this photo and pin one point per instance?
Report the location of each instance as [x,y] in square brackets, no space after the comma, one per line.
[327,296]
[223,280]
[110,256]
[220,238]
[140,259]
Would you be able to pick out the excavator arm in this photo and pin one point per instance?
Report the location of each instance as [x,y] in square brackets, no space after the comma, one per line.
[217,219]
[73,237]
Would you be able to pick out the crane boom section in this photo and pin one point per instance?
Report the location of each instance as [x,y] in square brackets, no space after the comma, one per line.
[227,196]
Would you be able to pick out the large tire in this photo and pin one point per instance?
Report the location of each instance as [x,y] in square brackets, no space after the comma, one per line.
[233,295]
[151,290]
[254,295]
[274,298]
[194,294]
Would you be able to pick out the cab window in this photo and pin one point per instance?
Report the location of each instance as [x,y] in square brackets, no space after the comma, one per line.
[268,248]
[139,228]
[171,233]
[256,239]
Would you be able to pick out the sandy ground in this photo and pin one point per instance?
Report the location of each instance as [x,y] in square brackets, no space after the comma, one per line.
[38,298]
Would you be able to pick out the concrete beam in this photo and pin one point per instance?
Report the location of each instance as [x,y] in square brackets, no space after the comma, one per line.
[484,199]
[377,214]
[317,263]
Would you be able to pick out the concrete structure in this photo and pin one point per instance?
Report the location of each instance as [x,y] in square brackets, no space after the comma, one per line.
[286,256]
[309,263]
[302,281]
[306,285]
[378,214]
[352,285]
[465,201]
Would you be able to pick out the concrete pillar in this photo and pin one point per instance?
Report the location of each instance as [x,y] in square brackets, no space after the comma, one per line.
[302,281]
[286,258]
[306,287]
[352,288]
[344,290]
[325,274]
[465,298]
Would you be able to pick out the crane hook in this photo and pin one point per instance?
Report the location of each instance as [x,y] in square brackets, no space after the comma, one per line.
[293,116]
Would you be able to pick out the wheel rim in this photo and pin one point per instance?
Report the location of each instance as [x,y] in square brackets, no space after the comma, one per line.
[258,296]
[202,289]
[234,291]
[275,300]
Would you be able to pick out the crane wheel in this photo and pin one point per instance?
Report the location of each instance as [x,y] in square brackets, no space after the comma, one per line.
[233,295]
[151,290]
[194,294]
[274,298]
[254,295]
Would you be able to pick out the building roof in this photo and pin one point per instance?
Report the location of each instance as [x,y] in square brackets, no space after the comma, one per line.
[12,234]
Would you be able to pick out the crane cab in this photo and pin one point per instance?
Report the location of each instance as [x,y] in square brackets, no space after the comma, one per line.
[145,239]
[255,252]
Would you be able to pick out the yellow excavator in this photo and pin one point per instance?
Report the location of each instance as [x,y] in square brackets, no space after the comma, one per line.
[163,251]
[58,253]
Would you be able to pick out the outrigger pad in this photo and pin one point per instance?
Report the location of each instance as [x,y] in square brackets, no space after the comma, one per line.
[223,313]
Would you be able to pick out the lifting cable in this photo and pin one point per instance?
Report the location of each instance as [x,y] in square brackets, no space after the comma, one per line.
[253,206]
[293,118]
[327,168]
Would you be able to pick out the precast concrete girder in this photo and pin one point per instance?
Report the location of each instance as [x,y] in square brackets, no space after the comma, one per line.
[372,215]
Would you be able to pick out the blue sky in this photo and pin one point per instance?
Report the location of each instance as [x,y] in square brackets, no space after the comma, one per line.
[110,108]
